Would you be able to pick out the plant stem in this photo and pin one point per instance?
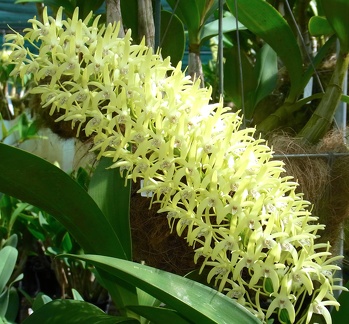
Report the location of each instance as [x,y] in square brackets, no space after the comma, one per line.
[195,64]
[322,118]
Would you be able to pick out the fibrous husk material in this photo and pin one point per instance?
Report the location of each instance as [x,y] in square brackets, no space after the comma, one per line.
[152,241]
[324,179]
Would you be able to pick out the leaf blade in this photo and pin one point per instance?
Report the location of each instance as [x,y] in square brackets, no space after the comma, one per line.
[265,21]
[73,312]
[108,190]
[38,182]
[194,301]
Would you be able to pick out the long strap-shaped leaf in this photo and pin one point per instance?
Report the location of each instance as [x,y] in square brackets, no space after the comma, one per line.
[73,312]
[194,301]
[38,182]
[337,13]
[108,190]
[266,22]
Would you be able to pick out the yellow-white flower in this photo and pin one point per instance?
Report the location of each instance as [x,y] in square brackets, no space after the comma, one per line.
[216,182]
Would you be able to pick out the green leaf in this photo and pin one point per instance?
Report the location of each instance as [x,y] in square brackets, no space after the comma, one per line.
[188,12]
[20,207]
[200,276]
[319,26]
[66,4]
[73,312]
[159,315]
[85,7]
[76,295]
[206,9]
[108,190]
[266,22]
[4,131]
[129,9]
[13,306]
[232,84]
[172,28]
[33,130]
[318,59]
[345,99]
[283,315]
[145,299]
[67,244]
[38,182]
[39,235]
[12,241]
[40,300]
[211,29]
[8,258]
[266,71]
[4,302]
[193,301]
[337,13]
[34,180]
[342,315]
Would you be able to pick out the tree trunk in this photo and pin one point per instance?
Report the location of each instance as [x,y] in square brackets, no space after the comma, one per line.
[146,22]
[114,14]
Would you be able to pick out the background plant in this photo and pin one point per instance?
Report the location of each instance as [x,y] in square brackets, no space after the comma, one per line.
[9,300]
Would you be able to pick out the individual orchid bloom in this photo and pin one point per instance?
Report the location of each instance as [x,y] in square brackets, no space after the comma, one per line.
[219,186]
[319,305]
[301,273]
[266,269]
[283,300]
[41,29]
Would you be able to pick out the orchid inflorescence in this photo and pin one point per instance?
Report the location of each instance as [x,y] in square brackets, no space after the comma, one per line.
[218,185]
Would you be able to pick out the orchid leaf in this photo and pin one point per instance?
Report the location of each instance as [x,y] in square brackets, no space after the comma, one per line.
[188,12]
[341,315]
[232,85]
[8,257]
[265,21]
[337,13]
[159,315]
[38,182]
[129,9]
[40,300]
[195,302]
[172,28]
[206,9]
[13,305]
[66,4]
[73,312]
[266,71]
[345,98]
[319,26]
[108,190]
[211,29]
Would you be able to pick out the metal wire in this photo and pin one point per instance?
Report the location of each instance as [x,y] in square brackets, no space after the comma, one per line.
[157,23]
[220,49]
[169,22]
[304,45]
[314,155]
[241,77]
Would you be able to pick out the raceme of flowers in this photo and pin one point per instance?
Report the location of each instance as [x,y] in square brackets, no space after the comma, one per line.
[219,185]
